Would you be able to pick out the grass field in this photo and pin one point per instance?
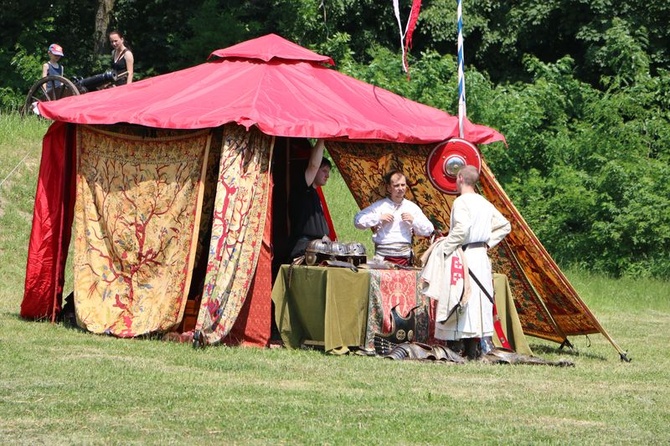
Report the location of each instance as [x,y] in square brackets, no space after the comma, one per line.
[63,386]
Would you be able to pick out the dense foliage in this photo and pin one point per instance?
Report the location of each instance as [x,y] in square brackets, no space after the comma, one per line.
[579,88]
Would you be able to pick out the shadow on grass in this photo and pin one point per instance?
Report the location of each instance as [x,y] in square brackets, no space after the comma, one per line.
[69,324]
[547,349]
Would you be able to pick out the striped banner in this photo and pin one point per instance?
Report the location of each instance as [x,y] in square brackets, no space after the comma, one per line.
[461,75]
[406,35]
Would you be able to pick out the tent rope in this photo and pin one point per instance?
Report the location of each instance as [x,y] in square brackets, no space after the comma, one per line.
[15,167]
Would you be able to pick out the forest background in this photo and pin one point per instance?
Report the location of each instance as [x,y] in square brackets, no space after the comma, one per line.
[580,89]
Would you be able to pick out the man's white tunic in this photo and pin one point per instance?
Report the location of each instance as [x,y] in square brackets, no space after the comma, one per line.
[473,219]
[399,231]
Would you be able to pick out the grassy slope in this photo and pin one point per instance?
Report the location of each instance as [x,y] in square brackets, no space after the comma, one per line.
[62,386]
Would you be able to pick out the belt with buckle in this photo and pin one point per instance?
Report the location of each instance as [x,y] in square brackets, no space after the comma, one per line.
[475,245]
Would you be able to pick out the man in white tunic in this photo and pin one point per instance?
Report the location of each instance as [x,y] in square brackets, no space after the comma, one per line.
[476,225]
[394,220]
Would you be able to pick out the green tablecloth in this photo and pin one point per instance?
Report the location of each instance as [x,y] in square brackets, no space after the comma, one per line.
[322,304]
[330,305]
[508,316]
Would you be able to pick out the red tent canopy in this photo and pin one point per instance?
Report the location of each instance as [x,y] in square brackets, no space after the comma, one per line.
[269,83]
[276,85]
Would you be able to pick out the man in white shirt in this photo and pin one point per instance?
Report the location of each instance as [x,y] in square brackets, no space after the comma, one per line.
[394,220]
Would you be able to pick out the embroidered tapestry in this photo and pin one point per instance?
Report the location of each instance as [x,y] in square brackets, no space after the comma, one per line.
[400,289]
[136,219]
[240,210]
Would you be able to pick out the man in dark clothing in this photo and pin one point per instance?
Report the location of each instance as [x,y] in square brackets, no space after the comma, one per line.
[308,221]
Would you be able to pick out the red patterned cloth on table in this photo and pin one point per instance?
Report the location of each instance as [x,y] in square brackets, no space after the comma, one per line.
[401,288]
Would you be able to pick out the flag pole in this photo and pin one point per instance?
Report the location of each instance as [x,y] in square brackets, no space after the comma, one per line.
[461,74]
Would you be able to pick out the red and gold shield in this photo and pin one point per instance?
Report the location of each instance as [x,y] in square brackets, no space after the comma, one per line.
[447,159]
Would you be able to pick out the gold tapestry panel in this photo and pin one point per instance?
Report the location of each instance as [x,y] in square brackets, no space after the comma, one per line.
[136,214]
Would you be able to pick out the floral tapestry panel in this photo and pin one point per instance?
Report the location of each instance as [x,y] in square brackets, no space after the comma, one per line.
[136,219]
[240,210]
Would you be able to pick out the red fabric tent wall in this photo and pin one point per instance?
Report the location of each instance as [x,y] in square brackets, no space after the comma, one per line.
[52,225]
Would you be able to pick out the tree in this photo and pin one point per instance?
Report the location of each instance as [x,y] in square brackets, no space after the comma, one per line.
[579,88]
[102,19]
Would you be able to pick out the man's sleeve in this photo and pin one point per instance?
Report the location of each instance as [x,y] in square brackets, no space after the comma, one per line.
[368,217]
[500,227]
[421,225]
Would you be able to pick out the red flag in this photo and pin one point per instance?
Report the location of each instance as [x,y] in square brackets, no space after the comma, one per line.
[406,35]
[411,24]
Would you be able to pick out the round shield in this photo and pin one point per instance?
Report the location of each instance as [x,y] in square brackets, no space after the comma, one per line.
[447,159]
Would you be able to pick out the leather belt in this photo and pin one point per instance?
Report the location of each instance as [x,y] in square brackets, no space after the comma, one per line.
[475,245]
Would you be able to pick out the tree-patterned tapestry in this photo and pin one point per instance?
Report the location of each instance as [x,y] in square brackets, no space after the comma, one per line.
[136,220]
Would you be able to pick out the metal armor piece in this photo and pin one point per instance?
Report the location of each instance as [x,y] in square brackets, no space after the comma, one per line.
[411,350]
[310,258]
[315,250]
[338,249]
[403,329]
[318,246]
[423,352]
[319,252]
[356,249]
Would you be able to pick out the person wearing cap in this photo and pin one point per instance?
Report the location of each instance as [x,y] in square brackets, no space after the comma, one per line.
[123,60]
[53,67]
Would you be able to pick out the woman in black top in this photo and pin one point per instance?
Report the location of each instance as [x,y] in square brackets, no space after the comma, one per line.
[122,58]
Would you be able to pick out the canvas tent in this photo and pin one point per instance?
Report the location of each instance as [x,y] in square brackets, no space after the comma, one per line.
[178,186]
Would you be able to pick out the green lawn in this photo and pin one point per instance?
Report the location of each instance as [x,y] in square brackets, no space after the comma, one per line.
[64,386]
